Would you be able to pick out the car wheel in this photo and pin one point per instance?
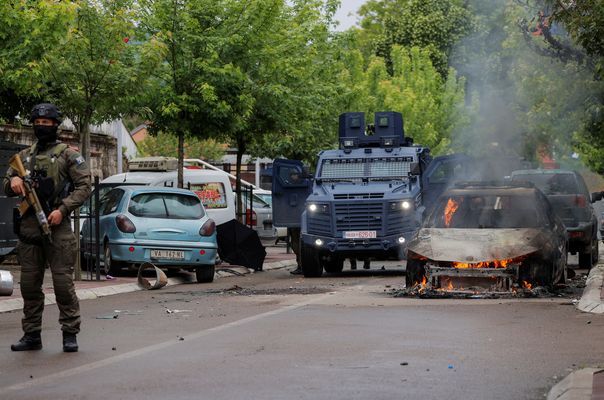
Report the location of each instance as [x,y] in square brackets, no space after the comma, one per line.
[311,267]
[586,259]
[111,266]
[414,273]
[205,273]
[538,274]
[334,265]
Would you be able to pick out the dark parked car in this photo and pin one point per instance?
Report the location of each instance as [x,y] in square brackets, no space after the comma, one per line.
[489,231]
[571,200]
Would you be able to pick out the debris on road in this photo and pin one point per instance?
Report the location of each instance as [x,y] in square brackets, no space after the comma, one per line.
[177,311]
[109,316]
[161,279]
[571,289]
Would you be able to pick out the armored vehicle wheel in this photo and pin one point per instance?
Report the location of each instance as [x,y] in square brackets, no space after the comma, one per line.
[205,273]
[111,266]
[415,272]
[311,267]
[334,265]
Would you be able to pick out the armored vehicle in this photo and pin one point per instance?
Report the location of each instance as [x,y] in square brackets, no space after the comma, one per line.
[363,202]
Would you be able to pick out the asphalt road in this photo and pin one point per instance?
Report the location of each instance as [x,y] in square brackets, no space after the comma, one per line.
[272,335]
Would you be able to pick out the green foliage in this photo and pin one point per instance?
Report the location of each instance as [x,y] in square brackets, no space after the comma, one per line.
[164,144]
[93,73]
[432,107]
[436,25]
[27,31]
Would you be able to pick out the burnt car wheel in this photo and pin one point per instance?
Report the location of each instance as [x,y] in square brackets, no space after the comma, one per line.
[111,266]
[415,272]
[205,273]
[538,274]
[311,267]
[333,265]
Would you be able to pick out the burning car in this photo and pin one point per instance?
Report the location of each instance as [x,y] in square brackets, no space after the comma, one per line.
[488,235]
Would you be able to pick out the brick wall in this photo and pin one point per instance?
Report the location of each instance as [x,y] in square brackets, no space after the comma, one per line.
[103,154]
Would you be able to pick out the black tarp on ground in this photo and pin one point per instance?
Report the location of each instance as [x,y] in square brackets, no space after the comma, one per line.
[240,245]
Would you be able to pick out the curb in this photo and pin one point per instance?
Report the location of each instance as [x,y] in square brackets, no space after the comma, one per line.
[591,301]
[577,385]
[94,293]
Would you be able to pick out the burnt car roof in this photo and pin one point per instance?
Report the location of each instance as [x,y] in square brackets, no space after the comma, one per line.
[491,190]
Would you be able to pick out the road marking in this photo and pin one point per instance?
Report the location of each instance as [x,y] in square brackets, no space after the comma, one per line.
[159,346]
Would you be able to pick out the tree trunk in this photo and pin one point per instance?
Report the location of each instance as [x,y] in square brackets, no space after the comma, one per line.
[241,148]
[181,157]
[83,126]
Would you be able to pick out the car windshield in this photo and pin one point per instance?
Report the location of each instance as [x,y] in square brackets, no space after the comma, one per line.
[166,205]
[477,211]
[551,184]
[378,168]
[266,197]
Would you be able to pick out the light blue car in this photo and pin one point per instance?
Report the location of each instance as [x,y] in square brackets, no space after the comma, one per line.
[161,225]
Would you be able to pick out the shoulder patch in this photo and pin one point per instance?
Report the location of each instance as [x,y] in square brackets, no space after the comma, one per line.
[77,159]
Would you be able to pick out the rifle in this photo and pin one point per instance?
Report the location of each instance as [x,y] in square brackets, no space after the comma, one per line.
[31,197]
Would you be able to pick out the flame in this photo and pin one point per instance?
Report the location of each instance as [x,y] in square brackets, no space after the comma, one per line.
[449,284]
[526,285]
[450,209]
[486,264]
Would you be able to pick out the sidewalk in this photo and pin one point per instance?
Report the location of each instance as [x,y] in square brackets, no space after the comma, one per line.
[276,257]
[586,383]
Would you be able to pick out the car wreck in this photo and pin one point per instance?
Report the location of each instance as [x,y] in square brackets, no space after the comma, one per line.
[488,237]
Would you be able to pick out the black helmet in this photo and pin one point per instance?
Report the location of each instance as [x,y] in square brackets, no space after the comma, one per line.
[46,110]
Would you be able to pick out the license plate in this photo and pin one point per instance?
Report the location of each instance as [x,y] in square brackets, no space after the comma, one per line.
[360,235]
[268,225]
[168,254]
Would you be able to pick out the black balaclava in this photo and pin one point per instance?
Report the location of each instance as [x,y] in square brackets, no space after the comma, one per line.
[46,134]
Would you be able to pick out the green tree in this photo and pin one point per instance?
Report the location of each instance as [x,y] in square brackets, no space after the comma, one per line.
[432,107]
[167,145]
[93,73]
[27,31]
[436,25]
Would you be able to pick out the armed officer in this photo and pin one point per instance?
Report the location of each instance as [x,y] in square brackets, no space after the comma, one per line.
[61,178]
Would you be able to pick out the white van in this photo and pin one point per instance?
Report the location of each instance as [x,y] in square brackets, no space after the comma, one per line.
[212,187]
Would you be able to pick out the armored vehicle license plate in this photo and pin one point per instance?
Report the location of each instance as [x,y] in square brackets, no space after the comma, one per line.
[168,254]
[360,235]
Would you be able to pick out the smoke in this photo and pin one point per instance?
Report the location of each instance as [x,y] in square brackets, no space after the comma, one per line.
[490,92]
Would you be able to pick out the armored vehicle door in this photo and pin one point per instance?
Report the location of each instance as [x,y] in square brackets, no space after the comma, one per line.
[291,187]
[441,173]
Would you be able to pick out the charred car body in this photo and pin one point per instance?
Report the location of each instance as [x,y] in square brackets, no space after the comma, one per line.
[364,201]
[501,235]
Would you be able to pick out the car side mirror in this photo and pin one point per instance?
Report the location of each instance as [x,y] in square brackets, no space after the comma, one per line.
[596,196]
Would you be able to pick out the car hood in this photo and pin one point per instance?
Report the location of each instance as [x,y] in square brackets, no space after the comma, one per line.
[476,245]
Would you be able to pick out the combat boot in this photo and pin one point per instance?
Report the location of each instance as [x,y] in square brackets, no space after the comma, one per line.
[29,341]
[70,344]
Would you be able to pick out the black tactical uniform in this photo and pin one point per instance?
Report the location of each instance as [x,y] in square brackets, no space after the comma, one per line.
[62,180]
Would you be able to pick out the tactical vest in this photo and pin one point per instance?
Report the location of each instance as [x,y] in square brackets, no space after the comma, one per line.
[49,161]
